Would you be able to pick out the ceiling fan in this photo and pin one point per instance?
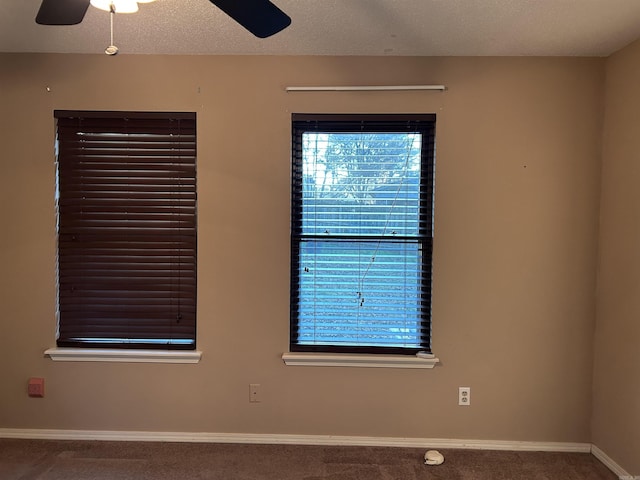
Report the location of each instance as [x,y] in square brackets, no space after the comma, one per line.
[260,17]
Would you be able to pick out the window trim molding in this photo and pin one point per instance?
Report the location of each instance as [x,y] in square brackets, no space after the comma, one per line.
[58,354]
[419,361]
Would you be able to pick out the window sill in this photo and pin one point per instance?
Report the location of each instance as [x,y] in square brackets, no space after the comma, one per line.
[352,360]
[123,355]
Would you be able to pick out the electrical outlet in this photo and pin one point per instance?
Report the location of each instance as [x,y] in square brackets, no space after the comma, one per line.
[254,393]
[464,396]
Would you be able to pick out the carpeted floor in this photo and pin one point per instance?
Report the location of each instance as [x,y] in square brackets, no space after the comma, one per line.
[83,460]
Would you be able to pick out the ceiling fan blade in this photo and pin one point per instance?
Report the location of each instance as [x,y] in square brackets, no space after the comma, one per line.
[62,12]
[260,17]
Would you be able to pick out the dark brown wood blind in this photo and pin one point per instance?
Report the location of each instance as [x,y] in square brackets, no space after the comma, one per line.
[362,233]
[126,205]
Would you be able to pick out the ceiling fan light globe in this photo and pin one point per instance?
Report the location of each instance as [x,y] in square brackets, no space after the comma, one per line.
[121,6]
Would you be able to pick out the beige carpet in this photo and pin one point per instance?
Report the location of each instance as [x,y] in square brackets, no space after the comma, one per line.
[80,460]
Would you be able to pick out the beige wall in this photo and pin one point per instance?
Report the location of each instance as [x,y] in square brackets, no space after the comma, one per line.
[616,418]
[518,170]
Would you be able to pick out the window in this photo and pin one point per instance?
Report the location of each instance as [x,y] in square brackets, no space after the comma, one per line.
[126,225]
[362,233]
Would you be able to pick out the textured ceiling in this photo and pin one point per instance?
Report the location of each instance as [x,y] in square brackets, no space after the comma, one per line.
[343,27]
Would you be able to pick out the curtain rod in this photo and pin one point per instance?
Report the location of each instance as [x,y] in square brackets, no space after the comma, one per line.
[441,88]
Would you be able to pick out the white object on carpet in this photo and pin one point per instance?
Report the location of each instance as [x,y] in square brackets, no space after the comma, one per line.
[433,457]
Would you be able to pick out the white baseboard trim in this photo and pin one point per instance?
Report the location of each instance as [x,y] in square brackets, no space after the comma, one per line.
[612,465]
[289,439]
